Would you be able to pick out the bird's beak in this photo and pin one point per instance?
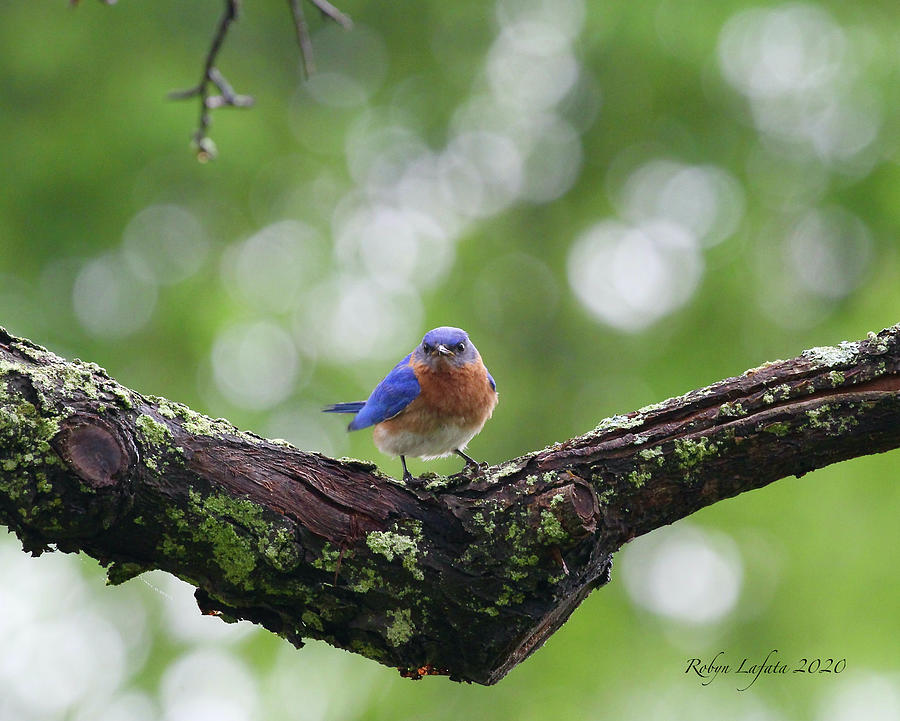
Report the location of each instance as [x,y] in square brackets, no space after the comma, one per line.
[443,350]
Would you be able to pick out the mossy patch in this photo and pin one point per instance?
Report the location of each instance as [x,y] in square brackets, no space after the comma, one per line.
[391,544]
[25,437]
[237,534]
[735,409]
[828,418]
[652,454]
[152,431]
[614,423]
[779,428]
[843,354]
[401,629]
[639,478]
[692,453]
[551,530]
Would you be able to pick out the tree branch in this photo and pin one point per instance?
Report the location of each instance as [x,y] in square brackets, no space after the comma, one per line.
[466,576]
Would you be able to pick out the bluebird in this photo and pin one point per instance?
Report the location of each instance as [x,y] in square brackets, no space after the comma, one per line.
[432,403]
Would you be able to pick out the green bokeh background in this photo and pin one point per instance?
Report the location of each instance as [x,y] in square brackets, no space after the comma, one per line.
[89,143]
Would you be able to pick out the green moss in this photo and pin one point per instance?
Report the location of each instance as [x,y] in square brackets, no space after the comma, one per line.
[650,454]
[435,481]
[357,463]
[818,417]
[487,524]
[122,395]
[232,552]
[237,534]
[166,411]
[390,544]
[311,620]
[551,530]
[201,425]
[735,409]
[281,550]
[514,532]
[768,398]
[366,580]
[275,542]
[401,628]
[152,431]
[692,453]
[328,559]
[836,378]
[638,478]
[76,378]
[779,429]
[25,435]
[509,595]
[827,418]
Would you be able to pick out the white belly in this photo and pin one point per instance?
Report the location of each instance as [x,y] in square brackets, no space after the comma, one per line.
[436,444]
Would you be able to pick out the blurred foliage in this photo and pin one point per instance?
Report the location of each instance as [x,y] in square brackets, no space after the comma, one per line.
[619,201]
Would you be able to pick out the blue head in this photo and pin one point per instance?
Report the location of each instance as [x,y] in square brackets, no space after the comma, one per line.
[445,347]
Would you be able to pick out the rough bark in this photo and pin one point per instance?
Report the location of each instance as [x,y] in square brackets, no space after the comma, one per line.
[465,576]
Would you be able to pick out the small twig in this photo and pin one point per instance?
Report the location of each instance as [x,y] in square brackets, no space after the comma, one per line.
[303,38]
[330,11]
[206,149]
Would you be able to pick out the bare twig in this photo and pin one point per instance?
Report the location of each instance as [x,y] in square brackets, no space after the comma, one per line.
[302,29]
[332,13]
[303,39]
[206,149]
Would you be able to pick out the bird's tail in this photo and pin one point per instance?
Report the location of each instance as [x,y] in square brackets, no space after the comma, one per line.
[351,407]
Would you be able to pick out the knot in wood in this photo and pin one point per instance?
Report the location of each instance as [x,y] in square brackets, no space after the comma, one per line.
[574,505]
[94,450]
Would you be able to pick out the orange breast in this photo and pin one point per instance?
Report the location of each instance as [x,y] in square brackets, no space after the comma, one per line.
[459,396]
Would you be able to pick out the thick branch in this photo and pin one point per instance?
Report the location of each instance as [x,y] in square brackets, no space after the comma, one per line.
[466,576]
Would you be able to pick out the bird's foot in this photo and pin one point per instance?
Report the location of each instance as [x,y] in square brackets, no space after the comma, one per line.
[471,463]
[408,477]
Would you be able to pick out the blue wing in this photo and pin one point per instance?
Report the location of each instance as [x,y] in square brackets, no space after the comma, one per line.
[490,379]
[392,395]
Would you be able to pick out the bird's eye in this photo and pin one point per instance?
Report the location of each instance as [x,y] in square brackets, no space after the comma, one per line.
[427,347]
[460,347]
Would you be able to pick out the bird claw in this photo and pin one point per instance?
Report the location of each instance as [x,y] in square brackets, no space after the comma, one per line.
[417,481]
